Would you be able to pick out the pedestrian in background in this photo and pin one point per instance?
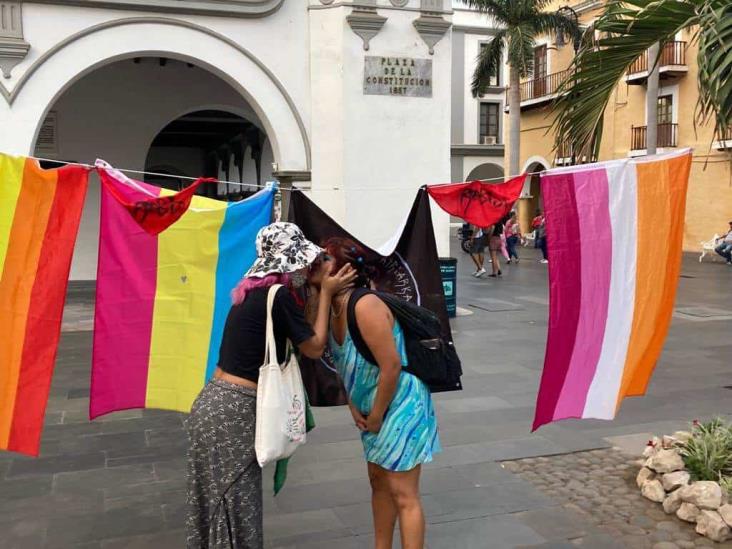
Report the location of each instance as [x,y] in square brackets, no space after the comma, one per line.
[477,251]
[513,237]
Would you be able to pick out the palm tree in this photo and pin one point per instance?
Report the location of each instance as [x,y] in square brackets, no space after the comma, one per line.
[626,29]
[520,22]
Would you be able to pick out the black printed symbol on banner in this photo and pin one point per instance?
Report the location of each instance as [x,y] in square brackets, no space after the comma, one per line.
[164,206]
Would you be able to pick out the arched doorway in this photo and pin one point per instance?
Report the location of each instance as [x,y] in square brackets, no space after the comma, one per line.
[189,124]
[488,171]
[212,143]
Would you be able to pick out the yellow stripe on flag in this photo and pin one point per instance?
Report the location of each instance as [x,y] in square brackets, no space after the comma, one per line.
[11,178]
[188,253]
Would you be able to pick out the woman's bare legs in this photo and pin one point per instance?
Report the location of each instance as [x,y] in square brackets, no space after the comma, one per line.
[383,507]
[404,489]
[494,259]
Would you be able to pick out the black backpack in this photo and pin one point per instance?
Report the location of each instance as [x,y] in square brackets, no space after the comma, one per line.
[430,356]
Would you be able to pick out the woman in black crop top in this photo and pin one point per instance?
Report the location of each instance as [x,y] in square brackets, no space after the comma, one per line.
[224,478]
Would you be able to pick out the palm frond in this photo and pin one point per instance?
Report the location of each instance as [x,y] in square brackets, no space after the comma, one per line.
[489,63]
[715,64]
[498,9]
[521,46]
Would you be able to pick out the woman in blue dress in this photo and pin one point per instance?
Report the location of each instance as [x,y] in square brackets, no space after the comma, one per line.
[392,408]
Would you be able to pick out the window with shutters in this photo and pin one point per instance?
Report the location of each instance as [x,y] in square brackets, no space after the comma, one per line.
[489,119]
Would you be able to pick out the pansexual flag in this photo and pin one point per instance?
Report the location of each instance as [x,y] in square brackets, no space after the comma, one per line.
[40,212]
[162,299]
[614,233]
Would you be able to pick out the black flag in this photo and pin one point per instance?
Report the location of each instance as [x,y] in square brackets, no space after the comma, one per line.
[411,271]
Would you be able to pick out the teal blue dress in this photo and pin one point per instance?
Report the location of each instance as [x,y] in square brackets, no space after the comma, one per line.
[408,435]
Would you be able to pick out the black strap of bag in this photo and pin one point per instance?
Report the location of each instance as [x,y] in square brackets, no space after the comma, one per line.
[356,336]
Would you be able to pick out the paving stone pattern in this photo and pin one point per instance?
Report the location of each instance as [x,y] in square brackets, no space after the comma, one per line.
[600,487]
[118,482]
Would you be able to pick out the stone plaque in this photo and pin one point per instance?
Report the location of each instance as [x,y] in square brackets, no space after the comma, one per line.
[403,76]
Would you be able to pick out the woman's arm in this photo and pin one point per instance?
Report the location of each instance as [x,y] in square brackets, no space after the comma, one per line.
[331,285]
[375,322]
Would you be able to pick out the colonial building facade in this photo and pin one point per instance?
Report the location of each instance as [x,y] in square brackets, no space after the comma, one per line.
[352,101]
[709,202]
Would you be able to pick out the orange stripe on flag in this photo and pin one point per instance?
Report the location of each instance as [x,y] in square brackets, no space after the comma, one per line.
[661,206]
[46,310]
[675,174]
[19,274]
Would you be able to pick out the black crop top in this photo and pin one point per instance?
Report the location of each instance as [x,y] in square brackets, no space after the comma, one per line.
[242,346]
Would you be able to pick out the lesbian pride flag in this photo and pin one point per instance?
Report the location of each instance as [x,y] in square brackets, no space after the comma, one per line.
[40,212]
[162,299]
[614,233]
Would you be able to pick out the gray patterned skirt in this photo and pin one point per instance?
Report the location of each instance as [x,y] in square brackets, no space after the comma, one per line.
[224,478]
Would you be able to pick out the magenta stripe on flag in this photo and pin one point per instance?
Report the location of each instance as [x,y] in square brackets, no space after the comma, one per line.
[563,243]
[595,229]
[126,282]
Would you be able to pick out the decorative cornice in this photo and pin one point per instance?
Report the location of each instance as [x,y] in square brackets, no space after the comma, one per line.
[225,8]
[469,29]
[365,22]
[292,175]
[13,48]
[477,150]
[431,28]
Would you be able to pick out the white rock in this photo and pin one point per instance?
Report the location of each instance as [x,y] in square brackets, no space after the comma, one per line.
[711,525]
[705,494]
[688,512]
[682,436]
[671,481]
[726,513]
[665,461]
[653,490]
[672,502]
[670,442]
[643,475]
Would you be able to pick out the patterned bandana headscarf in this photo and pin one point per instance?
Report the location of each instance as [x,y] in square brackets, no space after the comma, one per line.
[282,248]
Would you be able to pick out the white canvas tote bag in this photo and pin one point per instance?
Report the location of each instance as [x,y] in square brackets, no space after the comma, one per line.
[280,427]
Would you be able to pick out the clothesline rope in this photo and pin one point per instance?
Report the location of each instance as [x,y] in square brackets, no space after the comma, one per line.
[250,185]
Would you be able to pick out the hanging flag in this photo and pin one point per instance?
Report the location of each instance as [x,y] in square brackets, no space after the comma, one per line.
[479,203]
[40,212]
[408,267]
[612,280]
[155,214]
[162,299]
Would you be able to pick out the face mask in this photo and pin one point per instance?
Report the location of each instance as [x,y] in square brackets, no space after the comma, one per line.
[298,279]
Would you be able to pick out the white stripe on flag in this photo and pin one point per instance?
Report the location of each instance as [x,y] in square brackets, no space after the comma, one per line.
[603,394]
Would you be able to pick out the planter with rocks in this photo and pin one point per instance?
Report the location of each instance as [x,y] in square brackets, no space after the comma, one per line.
[664,479]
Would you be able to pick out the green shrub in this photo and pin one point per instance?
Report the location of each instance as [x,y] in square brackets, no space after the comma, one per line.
[708,454]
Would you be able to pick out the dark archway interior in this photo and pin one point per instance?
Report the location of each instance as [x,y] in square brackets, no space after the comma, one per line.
[223,142]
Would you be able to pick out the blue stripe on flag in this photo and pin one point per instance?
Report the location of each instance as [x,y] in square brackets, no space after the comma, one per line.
[237,252]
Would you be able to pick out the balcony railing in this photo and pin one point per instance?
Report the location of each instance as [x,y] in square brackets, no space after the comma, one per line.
[542,87]
[667,136]
[673,54]
[723,139]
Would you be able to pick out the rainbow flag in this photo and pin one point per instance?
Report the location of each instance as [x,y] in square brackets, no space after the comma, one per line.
[614,233]
[40,212]
[162,299]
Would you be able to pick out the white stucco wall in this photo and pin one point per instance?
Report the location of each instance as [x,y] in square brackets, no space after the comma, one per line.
[390,145]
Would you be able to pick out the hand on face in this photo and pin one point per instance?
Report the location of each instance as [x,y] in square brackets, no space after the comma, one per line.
[343,279]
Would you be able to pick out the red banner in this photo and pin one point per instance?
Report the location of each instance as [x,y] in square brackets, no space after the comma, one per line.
[481,204]
[156,214]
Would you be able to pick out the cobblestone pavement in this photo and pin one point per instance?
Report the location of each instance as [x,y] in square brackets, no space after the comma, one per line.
[118,482]
[600,486]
